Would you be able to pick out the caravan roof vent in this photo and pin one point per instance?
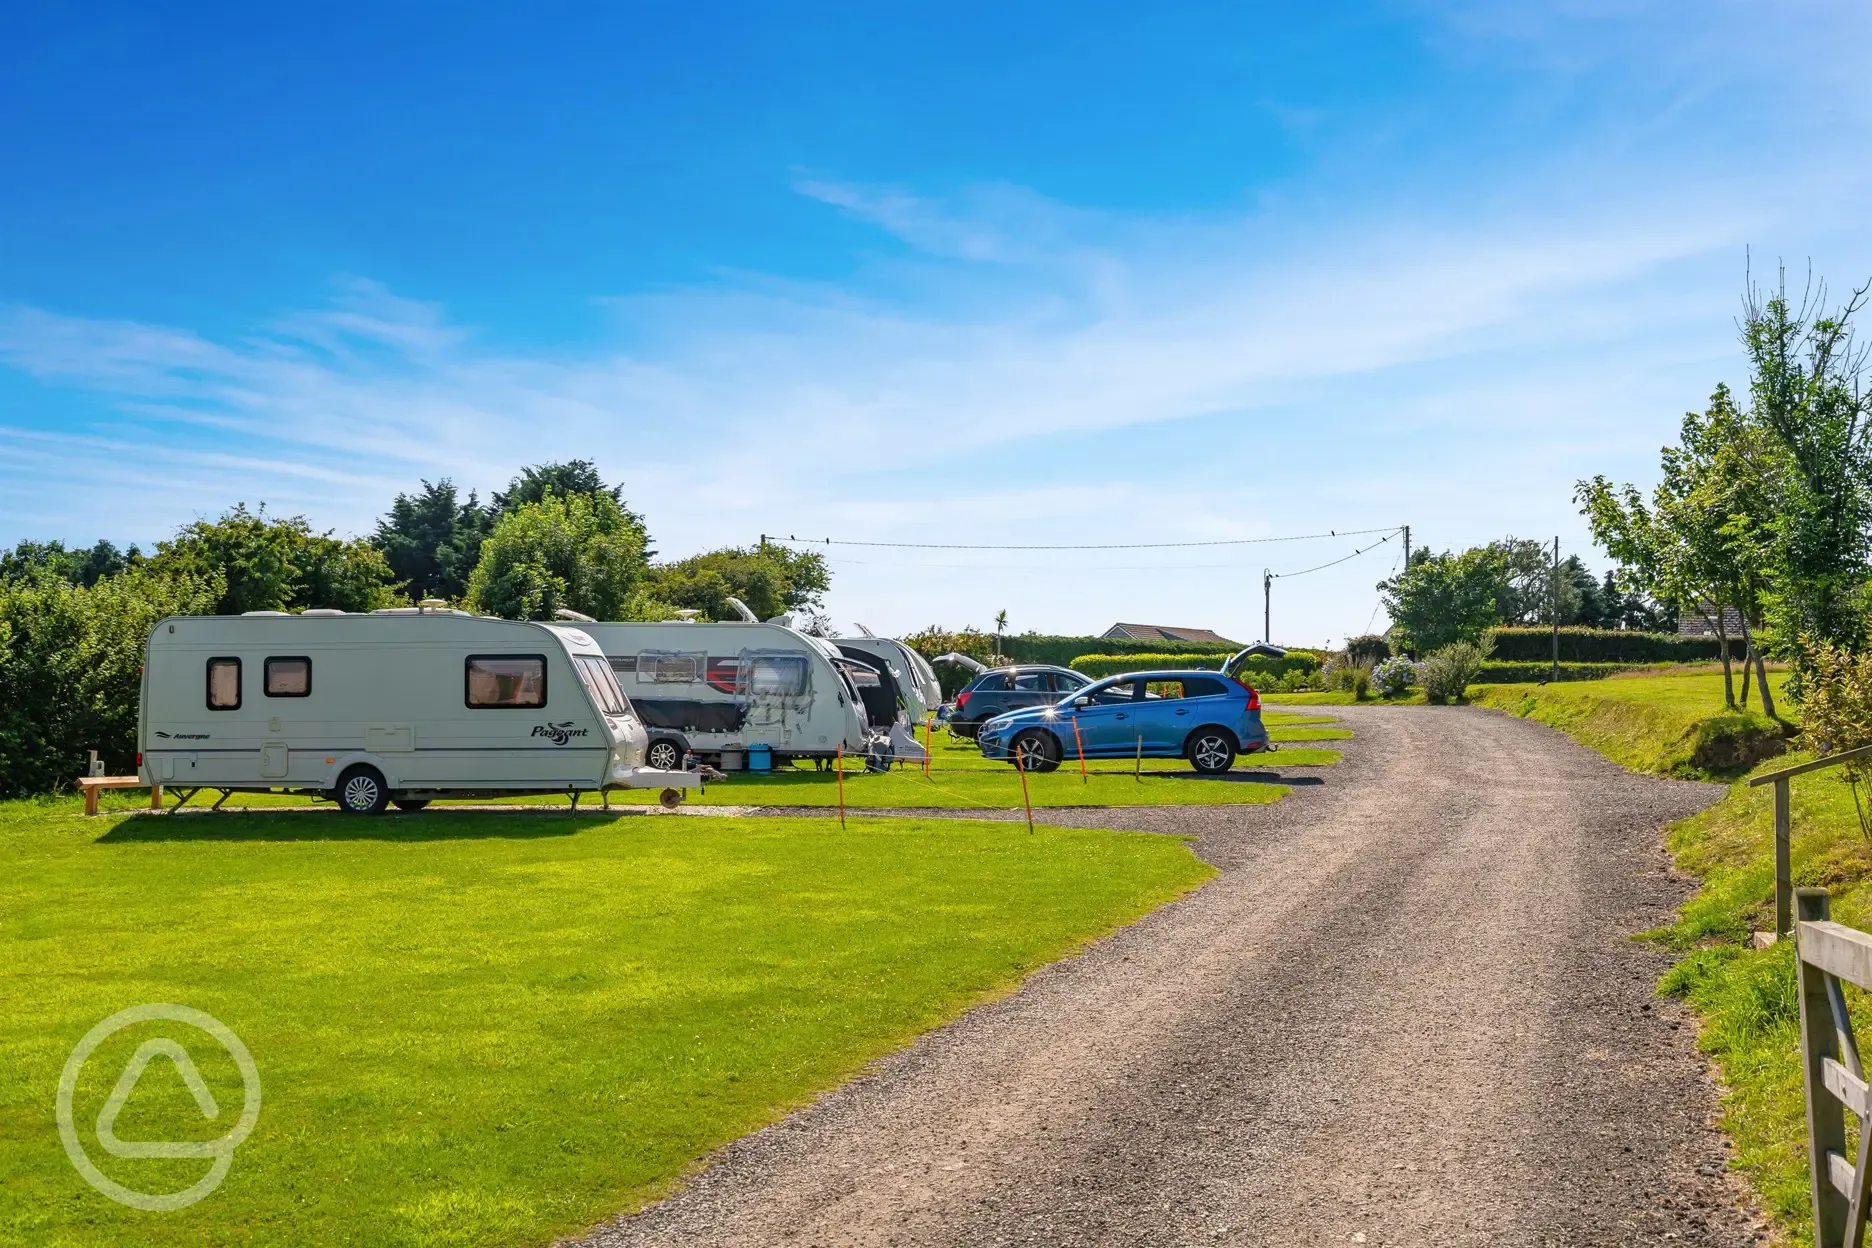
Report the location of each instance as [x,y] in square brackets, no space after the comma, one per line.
[323,611]
[281,614]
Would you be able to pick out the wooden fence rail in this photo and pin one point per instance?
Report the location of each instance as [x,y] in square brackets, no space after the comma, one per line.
[1830,954]
[1784,874]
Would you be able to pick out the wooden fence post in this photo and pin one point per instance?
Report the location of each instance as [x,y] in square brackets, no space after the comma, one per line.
[1826,1117]
[1784,872]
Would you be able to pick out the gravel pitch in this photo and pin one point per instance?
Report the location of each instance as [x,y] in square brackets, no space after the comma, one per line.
[1407,1012]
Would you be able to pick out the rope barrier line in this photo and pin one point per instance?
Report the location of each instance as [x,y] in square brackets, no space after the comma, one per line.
[1237,541]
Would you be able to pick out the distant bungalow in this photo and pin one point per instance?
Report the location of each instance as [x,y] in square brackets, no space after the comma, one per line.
[1159,632]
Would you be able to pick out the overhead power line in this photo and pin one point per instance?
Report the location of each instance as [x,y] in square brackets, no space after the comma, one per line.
[1355,554]
[1240,541]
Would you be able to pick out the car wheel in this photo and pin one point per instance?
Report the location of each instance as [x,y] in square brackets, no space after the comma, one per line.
[965,731]
[361,791]
[664,754]
[1038,748]
[409,805]
[1211,751]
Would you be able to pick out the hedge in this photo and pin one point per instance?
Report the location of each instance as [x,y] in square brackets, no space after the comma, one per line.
[1606,645]
[1100,665]
[1061,651]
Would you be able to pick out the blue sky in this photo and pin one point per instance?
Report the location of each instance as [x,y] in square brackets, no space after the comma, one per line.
[989,274]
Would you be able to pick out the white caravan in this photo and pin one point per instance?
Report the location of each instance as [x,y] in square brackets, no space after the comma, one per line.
[916,688]
[715,689]
[400,706]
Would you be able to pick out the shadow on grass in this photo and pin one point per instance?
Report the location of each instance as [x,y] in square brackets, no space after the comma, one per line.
[314,824]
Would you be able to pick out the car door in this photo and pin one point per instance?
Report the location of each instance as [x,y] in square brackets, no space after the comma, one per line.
[1163,718]
[1106,726]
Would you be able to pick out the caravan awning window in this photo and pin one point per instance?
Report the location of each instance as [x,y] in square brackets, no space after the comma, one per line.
[516,680]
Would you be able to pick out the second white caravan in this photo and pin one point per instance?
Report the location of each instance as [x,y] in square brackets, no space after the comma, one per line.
[716,689]
[400,707]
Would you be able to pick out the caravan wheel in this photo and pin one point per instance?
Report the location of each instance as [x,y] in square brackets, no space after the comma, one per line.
[664,754]
[361,791]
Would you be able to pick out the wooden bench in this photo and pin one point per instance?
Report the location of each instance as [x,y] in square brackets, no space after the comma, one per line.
[92,784]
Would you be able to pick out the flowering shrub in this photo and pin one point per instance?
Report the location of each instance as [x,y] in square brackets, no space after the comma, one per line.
[1394,676]
[1448,673]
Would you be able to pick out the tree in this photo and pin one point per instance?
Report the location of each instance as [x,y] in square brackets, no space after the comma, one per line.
[1805,393]
[1000,623]
[1442,599]
[79,567]
[1700,542]
[432,540]
[582,552]
[769,578]
[543,481]
[264,564]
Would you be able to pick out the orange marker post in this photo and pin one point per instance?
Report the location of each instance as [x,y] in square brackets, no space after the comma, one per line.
[839,762]
[1020,765]
[1079,745]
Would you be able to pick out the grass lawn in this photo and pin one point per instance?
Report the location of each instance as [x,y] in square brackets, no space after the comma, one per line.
[1669,725]
[493,1029]
[960,779]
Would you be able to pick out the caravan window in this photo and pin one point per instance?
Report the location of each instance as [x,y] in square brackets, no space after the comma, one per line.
[602,684]
[777,675]
[663,667]
[288,678]
[224,684]
[506,680]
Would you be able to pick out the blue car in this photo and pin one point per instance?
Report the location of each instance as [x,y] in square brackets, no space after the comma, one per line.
[1205,717]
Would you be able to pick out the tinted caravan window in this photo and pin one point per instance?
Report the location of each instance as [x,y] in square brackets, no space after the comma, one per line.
[506,680]
[288,678]
[224,684]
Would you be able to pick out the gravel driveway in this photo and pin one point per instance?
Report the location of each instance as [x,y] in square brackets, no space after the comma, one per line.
[1407,1012]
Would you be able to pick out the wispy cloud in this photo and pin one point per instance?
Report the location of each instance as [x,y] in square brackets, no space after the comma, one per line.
[1006,365]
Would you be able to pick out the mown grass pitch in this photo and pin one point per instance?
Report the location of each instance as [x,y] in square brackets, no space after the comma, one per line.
[493,1029]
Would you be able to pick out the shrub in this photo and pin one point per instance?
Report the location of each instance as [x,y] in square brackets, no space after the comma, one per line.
[1605,645]
[71,663]
[1394,676]
[1837,711]
[1448,673]
[1350,676]
[1370,648]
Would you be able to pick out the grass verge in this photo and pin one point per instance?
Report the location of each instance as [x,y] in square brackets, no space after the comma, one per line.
[1745,996]
[496,1028]
[1667,725]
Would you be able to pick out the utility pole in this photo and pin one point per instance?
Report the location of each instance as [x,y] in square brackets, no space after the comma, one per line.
[1267,606]
[1407,548]
[1554,585]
